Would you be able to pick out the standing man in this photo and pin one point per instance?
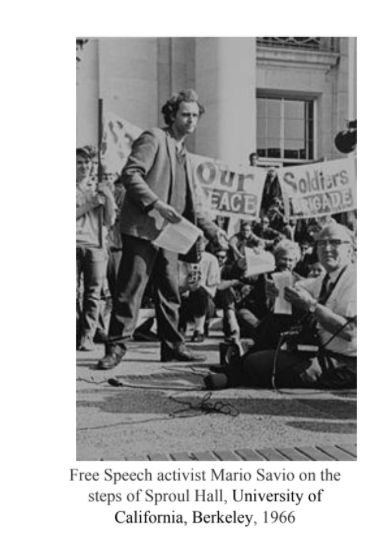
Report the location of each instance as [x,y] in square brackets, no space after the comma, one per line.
[95,210]
[160,187]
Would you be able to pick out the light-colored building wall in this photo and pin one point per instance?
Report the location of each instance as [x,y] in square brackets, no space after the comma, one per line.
[124,73]
[225,80]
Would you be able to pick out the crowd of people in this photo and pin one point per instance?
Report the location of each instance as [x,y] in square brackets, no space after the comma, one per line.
[120,268]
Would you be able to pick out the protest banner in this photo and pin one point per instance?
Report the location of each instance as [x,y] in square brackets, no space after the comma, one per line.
[117,138]
[233,191]
[320,189]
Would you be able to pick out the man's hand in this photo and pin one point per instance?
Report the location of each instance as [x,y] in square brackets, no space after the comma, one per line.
[103,189]
[98,199]
[299,297]
[168,212]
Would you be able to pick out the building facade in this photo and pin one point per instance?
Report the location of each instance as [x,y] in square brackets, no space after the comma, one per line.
[285,98]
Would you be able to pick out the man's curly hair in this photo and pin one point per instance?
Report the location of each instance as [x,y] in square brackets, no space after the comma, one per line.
[171,107]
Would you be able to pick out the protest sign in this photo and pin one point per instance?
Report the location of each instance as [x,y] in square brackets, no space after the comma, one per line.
[320,189]
[117,138]
[229,190]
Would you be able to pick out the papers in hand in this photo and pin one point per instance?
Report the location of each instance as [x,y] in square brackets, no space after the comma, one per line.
[281,280]
[258,262]
[178,237]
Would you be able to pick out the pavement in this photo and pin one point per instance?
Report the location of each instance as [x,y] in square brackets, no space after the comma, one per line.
[162,413]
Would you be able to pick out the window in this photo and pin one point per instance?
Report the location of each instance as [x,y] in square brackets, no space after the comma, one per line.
[285,129]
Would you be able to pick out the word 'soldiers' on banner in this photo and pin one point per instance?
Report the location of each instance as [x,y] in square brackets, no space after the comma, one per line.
[320,189]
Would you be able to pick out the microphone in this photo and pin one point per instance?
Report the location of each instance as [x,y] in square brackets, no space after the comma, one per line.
[216,381]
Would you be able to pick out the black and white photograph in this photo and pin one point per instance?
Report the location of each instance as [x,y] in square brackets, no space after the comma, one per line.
[216,248]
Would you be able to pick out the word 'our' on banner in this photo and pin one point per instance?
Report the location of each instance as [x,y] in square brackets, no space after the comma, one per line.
[229,191]
[319,189]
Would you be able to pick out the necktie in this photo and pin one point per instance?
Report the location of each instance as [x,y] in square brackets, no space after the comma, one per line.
[325,290]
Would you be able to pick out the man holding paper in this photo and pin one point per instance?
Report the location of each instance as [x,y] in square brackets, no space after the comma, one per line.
[160,189]
[331,301]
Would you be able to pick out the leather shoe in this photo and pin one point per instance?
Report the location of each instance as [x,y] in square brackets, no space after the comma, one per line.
[111,359]
[182,354]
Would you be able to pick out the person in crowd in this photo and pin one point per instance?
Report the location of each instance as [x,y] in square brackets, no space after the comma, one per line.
[272,190]
[115,240]
[95,211]
[289,229]
[160,187]
[275,213]
[315,269]
[331,301]
[244,238]
[307,256]
[227,294]
[198,284]
[255,312]
[253,159]
[263,231]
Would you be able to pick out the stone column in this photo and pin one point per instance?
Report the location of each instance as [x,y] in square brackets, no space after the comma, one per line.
[352,82]
[87,94]
[225,74]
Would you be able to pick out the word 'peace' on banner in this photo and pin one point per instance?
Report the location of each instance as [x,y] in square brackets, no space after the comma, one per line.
[320,189]
[229,191]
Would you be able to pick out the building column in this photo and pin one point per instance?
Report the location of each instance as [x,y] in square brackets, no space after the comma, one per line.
[225,74]
[352,82]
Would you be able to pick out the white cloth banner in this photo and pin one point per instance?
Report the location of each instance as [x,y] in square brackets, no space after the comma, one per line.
[319,189]
[234,191]
[117,139]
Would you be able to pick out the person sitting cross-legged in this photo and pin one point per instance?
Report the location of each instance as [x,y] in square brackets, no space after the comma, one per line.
[198,283]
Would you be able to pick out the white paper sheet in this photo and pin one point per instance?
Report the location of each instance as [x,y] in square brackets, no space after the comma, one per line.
[178,237]
[258,262]
[281,280]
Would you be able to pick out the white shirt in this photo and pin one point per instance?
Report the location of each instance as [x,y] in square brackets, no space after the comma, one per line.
[342,301]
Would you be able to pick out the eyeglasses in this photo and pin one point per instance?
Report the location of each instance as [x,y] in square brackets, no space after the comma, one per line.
[334,243]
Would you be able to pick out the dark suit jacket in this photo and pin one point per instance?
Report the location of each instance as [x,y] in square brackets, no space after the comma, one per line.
[147,177]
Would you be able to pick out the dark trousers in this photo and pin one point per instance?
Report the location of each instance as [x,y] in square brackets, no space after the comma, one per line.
[114,261]
[326,370]
[141,260]
[91,265]
[197,304]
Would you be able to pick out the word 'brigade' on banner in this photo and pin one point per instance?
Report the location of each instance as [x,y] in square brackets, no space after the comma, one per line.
[229,191]
[320,189]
